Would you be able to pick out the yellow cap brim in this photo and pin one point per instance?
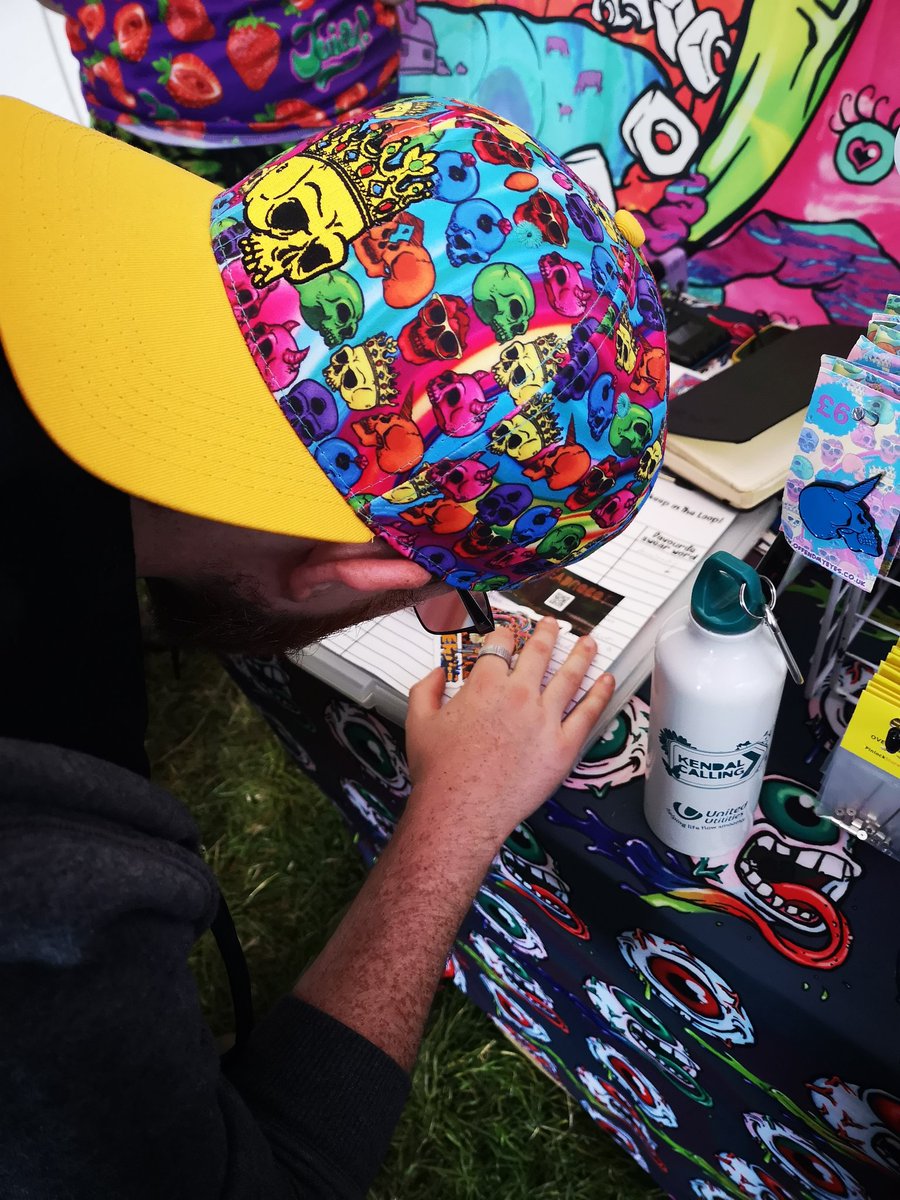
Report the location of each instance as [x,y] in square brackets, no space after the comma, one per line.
[122,340]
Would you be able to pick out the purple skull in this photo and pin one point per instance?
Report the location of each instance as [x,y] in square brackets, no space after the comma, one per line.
[477,229]
[648,304]
[890,448]
[793,488]
[832,452]
[574,379]
[864,437]
[808,439]
[311,410]
[504,503]
[584,217]
[605,270]
[601,405]
[437,559]
[464,480]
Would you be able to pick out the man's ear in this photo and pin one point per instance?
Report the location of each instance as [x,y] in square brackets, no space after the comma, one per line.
[373,567]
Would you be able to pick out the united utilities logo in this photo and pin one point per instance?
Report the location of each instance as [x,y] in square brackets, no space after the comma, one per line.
[710,768]
[686,812]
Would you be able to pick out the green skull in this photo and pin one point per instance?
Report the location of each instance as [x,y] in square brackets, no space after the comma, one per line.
[631,431]
[332,304]
[561,541]
[503,299]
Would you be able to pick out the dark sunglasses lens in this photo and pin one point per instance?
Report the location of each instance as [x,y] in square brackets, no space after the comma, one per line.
[448,613]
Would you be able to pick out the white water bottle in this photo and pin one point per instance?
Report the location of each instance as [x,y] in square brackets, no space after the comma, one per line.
[717,680]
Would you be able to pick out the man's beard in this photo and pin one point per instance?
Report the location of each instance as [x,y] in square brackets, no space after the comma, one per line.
[231,617]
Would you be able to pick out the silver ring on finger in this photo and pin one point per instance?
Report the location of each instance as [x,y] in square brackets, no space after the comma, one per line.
[500,651]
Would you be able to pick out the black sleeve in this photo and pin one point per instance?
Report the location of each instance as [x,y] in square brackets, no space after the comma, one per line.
[111,1084]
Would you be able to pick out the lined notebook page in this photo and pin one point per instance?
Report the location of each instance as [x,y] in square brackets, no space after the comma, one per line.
[674,530]
[395,649]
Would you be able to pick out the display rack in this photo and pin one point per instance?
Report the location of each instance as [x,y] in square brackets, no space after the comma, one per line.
[852,642]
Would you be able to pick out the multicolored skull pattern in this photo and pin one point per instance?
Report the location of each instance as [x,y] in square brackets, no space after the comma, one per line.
[426,288]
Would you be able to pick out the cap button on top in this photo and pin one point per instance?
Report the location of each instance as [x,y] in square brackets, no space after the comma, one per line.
[630,227]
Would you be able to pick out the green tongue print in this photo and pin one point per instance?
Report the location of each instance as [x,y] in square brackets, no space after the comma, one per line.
[788,57]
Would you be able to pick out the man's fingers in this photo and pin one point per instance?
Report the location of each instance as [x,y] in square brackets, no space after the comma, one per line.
[587,712]
[487,663]
[425,696]
[566,681]
[534,657]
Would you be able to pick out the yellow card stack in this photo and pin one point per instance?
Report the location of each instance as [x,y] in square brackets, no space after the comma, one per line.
[861,787]
[874,730]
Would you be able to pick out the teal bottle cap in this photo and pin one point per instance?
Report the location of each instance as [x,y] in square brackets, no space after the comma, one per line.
[716,595]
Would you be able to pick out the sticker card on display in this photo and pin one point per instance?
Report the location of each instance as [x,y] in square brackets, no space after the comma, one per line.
[869,355]
[884,331]
[841,500]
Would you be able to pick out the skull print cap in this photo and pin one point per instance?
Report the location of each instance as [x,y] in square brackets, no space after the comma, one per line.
[419,324]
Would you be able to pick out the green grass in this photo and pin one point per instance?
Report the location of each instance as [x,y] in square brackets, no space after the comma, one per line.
[482,1122]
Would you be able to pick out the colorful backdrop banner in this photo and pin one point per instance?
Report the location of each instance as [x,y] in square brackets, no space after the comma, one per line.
[757,135]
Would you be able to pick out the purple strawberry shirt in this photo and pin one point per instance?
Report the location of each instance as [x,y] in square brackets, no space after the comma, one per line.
[222,73]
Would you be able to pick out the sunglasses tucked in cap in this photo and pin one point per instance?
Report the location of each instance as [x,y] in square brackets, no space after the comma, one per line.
[470,347]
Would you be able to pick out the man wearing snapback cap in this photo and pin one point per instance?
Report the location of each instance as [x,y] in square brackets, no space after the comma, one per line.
[411,360]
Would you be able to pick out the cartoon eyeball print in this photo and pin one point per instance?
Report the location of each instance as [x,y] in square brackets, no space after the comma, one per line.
[370,743]
[510,924]
[621,753]
[704,1190]
[754,1182]
[513,975]
[622,1139]
[513,1013]
[525,861]
[688,985]
[867,1118]
[645,1033]
[634,1083]
[458,332]
[455,973]
[376,815]
[544,1060]
[820,1175]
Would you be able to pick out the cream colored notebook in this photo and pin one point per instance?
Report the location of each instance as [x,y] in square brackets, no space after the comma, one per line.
[742,474]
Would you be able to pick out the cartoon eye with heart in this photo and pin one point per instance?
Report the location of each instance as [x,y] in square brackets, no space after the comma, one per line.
[865,149]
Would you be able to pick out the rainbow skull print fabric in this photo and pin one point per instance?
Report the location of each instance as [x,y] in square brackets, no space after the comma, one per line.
[458,331]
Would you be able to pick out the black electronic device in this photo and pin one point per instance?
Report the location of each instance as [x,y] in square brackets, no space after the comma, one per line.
[693,338]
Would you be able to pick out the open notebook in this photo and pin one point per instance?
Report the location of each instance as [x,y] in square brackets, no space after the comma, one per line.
[634,582]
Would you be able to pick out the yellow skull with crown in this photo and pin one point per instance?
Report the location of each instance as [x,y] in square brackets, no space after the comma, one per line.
[364,374]
[524,367]
[304,211]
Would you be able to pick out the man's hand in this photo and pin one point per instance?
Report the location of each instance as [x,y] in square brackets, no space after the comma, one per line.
[479,766]
[501,746]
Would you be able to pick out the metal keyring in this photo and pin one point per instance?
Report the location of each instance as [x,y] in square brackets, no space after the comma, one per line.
[499,651]
[773,596]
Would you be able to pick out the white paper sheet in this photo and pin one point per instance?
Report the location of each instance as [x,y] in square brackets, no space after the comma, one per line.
[644,565]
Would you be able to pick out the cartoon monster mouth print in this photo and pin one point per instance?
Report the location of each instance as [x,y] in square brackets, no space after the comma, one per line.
[797,884]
